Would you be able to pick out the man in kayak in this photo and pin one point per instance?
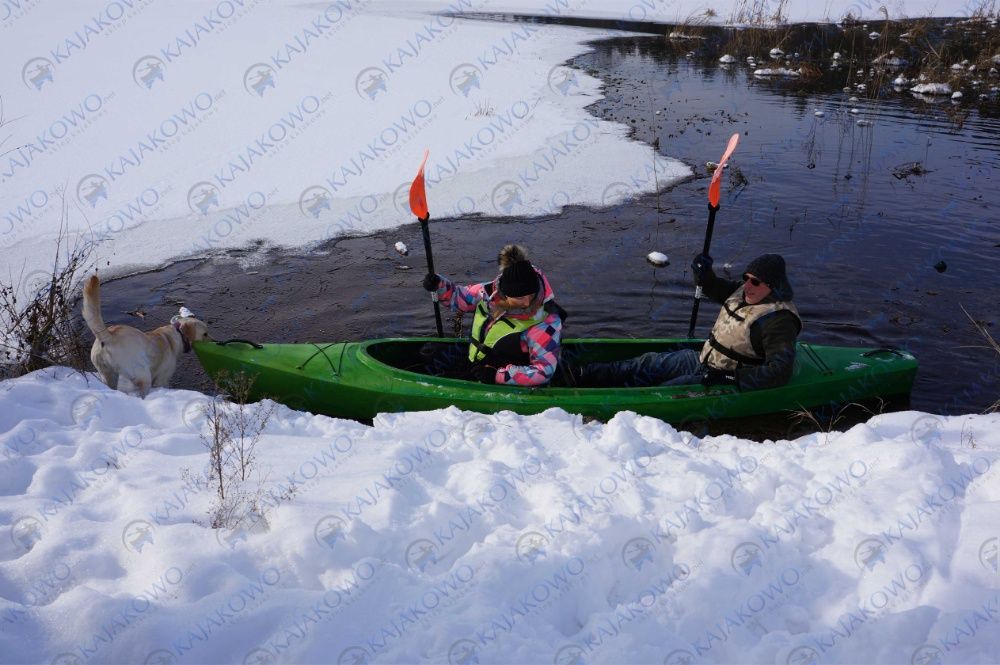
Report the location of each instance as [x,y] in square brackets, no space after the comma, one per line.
[752,344]
[516,328]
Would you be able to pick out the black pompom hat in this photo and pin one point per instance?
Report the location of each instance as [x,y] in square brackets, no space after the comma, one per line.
[519,279]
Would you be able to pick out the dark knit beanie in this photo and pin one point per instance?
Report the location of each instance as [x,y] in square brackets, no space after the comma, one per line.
[519,279]
[770,268]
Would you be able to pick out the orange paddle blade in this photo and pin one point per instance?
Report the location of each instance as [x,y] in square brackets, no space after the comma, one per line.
[418,194]
[716,184]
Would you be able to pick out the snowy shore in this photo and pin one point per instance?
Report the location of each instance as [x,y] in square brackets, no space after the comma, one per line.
[454,537]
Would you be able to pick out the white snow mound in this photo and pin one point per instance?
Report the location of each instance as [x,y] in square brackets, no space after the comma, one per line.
[449,536]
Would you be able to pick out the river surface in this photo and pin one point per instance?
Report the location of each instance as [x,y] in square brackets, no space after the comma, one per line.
[876,257]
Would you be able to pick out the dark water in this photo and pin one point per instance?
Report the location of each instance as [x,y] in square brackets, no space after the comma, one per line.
[861,244]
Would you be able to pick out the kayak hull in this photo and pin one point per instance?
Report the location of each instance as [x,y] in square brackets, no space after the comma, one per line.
[361,379]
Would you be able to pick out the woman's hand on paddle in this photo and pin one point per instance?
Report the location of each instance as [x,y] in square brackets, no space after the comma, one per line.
[485,374]
[431,282]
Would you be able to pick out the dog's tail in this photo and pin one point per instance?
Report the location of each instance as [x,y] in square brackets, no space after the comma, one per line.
[92,309]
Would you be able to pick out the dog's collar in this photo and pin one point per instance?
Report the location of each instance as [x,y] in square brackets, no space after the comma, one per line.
[187,344]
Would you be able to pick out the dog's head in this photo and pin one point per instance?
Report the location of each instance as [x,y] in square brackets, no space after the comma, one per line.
[190,328]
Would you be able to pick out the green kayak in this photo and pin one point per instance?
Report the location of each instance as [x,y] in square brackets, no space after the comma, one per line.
[360,379]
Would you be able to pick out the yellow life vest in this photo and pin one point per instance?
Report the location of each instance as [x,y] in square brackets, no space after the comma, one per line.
[487,331]
[729,347]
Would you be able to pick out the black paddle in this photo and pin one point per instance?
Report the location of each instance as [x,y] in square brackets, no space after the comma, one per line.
[418,205]
[713,207]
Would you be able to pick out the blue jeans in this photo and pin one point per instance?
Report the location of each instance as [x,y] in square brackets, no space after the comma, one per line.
[668,368]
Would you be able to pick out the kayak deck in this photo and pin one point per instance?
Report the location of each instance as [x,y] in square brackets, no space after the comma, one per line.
[361,379]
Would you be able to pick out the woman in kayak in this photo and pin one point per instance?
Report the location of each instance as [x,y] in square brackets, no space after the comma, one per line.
[752,344]
[516,328]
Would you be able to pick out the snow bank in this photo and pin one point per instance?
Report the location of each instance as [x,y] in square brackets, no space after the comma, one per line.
[454,537]
[184,128]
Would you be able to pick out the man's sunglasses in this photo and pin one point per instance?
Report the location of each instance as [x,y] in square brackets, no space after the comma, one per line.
[752,280]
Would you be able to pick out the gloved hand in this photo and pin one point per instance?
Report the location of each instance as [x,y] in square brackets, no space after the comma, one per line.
[701,266]
[431,282]
[485,374]
[718,377]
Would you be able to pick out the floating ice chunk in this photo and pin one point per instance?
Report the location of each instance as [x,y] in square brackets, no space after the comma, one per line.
[864,123]
[855,111]
[874,35]
[837,56]
[901,81]
[776,52]
[727,59]
[957,95]
[402,248]
[956,67]
[658,259]
[853,100]
[932,89]
[861,87]
[777,71]
[905,35]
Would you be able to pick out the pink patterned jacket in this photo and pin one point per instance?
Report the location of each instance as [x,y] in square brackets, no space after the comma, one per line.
[541,341]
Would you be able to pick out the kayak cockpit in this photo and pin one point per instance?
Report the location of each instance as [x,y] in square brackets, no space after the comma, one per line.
[411,355]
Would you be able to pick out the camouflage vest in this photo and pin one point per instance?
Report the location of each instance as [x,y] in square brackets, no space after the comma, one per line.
[729,347]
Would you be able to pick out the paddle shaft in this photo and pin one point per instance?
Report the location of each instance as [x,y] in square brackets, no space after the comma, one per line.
[697,289]
[426,231]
